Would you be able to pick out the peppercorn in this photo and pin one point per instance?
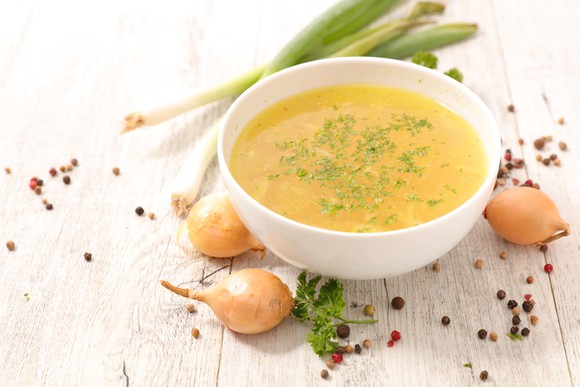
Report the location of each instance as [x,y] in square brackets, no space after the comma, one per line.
[10,245]
[139,211]
[539,157]
[357,349]
[340,350]
[516,311]
[478,263]
[190,308]
[40,182]
[62,168]
[151,215]
[539,143]
[534,319]
[324,374]
[530,279]
[38,190]
[511,108]
[484,375]
[525,332]
[562,146]
[8,170]
[349,348]
[88,257]
[546,162]
[66,179]
[337,358]
[557,162]
[518,163]
[445,320]
[503,255]
[396,335]
[44,201]
[195,332]
[527,306]
[116,171]
[516,320]
[52,171]
[501,294]
[32,184]
[561,121]
[482,334]
[548,268]
[369,310]
[521,141]
[343,331]
[527,297]
[330,364]
[74,162]
[514,330]
[512,304]
[398,303]
[436,267]
[493,336]
[69,167]
[553,156]
[367,343]
[49,206]
[390,343]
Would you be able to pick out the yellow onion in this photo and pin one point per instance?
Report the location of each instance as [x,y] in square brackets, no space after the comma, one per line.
[524,216]
[215,229]
[249,301]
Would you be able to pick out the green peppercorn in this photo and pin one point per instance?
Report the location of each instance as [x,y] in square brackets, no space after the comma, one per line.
[343,331]
[369,310]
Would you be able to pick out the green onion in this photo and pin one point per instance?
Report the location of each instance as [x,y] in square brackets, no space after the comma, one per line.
[424,40]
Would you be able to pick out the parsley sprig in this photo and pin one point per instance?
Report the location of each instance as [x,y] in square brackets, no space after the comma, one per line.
[323,308]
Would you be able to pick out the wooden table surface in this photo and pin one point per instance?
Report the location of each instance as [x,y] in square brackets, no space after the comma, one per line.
[70,71]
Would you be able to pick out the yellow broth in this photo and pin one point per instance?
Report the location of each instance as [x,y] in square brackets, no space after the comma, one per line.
[359,158]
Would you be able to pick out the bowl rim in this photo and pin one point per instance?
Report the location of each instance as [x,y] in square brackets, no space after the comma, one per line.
[493,154]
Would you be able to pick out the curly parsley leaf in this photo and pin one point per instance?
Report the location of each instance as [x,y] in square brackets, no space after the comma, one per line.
[455,74]
[425,58]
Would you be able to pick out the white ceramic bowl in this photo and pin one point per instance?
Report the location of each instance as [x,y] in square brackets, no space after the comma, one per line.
[359,255]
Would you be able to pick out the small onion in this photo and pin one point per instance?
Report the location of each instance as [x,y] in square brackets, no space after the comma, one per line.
[249,301]
[215,229]
[524,216]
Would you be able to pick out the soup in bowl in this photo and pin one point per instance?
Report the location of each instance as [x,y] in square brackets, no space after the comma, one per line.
[359,168]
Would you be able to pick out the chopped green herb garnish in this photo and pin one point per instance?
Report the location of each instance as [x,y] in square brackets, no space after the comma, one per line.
[432,203]
[425,58]
[468,365]
[515,336]
[273,177]
[455,74]
[27,297]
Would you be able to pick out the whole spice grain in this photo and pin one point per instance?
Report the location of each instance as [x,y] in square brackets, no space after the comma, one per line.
[395,335]
[66,179]
[369,310]
[530,279]
[349,348]
[62,168]
[534,319]
[512,304]
[553,156]
[330,364]
[518,163]
[548,268]
[337,358]
[52,171]
[527,297]
[514,330]
[38,190]
[390,343]
[482,334]
[139,211]
[521,141]
[151,215]
[478,263]
[516,320]
[527,306]
[340,350]
[511,108]
[10,245]
[343,331]
[445,320]
[44,201]
[69,167]
[561,121]
[562,145]
[397,303]
[516,311]
[32,184]
[436,267]
[190,308]
[503,255]
[525,332]
[49,206]
[8,170]
[74,162]
[484,375]
[557,162]
[324,374]
[88,257]
[40,182]
[357,349]
[195,332]
[367,343]
[539,143]
[539,157]
[546,162]
[493,336]
[116,171]
[501,294]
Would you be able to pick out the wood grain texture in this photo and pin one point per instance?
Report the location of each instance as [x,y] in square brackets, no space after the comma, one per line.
[69,72]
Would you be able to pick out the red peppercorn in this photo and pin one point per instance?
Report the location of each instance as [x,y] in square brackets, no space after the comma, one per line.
[32,184]
[337,357]
[515,181]
[508,156]
[529,182]
[52,171]
[34,178]
[527,297]
[396,335]
[548,268]
[390,343]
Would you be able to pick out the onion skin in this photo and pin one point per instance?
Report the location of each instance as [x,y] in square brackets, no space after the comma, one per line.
[249,301]
[525,216]
[215,229]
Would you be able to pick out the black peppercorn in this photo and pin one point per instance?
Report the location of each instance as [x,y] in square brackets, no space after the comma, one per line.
[483,375]
[482,334]
[66,179]
[139,211]
[340,350]
[525,332]
[445,320]
[343,331]
[528,306]
[398,303]
[88,257]
[514,330]
[512,304]
[501,294]
[516,320]
[324,374]
[357,349]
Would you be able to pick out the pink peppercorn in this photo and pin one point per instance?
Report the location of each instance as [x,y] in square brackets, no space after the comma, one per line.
[32,184]
[548,268]
[337,357]
[52,171]
[508,156]
[527,297]
[529,182]
[396,335]
[390,343]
